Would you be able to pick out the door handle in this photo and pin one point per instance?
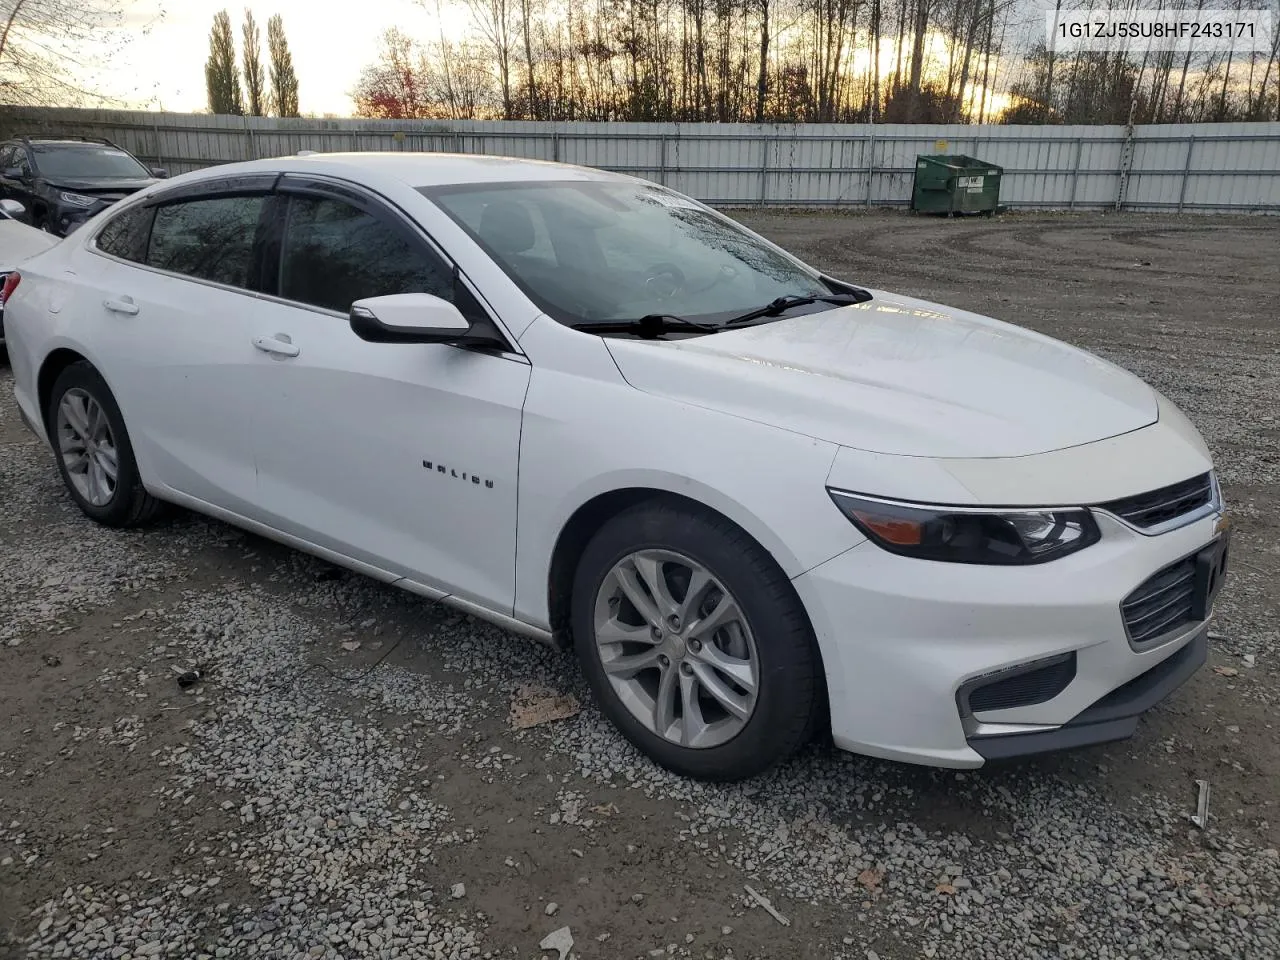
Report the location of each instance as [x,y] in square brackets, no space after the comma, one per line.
[124,305]
[278,345]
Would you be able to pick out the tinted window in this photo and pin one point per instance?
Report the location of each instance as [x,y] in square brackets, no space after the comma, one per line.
[89,162]
[126,235]
[335,254]
[6,158]
[210,239]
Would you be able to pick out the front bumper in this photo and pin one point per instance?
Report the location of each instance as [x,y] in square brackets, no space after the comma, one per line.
[66,220]
[902,639]
[1114,717]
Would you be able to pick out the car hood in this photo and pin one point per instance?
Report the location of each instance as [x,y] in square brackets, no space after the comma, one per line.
[899,376]
[19,242]
[115,188]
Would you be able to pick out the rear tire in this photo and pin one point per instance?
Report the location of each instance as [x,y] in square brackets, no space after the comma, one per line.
[93,451]
[740,689]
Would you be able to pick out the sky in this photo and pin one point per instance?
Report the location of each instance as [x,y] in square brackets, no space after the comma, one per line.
[163,65]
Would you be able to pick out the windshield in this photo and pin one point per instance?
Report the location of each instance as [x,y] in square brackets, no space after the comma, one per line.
[88,162]
[600,252]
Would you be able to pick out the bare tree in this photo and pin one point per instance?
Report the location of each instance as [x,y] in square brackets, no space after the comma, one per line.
[496,22]
[284,81]
[254,77]
[817,60]
[50,50]
[221,75]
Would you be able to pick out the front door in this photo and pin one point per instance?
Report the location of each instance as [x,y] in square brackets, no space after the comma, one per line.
[400,455]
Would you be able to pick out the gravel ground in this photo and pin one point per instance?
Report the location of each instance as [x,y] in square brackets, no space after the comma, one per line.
[345,783]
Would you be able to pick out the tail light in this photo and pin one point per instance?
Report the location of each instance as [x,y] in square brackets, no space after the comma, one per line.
[11,282]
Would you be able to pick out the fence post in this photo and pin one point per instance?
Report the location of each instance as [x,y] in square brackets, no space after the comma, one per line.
[1186,172]
[249,145]
[1075,172]
[764,168]
[155,132]
[555,146]
[662,159]
[871,162]
[1126,160]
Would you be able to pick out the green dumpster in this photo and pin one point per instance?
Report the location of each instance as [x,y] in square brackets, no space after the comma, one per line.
[955,184]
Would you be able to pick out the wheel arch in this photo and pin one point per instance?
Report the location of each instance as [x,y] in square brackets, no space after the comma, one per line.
[577,529]
[52,367]
[576,532]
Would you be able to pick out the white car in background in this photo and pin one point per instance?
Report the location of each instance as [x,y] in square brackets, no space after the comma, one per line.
[17,242]
[758,500]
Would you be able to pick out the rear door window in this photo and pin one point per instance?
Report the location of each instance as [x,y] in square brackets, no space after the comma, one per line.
[127,233]
[209,238]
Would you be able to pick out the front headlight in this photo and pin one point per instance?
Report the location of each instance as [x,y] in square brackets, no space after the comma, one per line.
[969,535]
[78,199]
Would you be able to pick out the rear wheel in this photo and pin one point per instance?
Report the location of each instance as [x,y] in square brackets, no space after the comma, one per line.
[694,642]
[93,450]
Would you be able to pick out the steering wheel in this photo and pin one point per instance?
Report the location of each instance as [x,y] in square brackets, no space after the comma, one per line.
[666,279]
[726,274]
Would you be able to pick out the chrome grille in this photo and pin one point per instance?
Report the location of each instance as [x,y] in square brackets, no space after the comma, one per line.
[1148,510]
[1162,603]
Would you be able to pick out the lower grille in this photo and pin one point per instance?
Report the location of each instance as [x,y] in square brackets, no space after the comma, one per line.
[1162,603]
[1148,510]
[1021,687]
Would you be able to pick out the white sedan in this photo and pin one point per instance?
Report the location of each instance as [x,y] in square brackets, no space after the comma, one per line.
[757,500]
[17,242]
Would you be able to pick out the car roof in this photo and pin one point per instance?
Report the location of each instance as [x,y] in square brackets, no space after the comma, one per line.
[57,142]
[415,169]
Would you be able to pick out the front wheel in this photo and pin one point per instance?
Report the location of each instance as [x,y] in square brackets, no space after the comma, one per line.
[694,642]
[95,456]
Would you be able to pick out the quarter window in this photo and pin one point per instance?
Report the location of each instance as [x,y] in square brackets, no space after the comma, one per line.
[126,234]
[210,239]
[335,254]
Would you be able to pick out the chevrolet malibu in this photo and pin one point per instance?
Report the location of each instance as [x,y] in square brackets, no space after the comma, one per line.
[758,501]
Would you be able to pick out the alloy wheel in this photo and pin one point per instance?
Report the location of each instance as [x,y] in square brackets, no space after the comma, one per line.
[676,648]
[87,447]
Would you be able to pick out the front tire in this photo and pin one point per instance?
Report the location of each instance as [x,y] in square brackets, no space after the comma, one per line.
[694,642]
[94,454]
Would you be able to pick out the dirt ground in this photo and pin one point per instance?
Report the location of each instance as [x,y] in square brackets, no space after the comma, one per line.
[348,758]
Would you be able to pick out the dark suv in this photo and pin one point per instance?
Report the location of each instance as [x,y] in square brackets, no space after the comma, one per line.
[63,181]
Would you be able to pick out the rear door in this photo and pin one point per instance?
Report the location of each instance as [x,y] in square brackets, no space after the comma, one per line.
[400,455]
[174,292]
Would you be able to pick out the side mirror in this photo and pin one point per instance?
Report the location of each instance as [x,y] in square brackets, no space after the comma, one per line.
[160,173]
[14,173]
[13,208]
[408,318]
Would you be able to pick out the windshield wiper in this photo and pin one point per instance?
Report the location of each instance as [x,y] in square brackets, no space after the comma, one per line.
[650,325]
[775,307]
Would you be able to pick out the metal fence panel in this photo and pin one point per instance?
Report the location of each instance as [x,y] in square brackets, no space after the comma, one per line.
[1172,167]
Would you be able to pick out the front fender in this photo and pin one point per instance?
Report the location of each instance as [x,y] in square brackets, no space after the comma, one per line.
[586,437]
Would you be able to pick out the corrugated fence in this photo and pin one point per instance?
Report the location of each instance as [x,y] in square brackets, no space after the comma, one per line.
[1220,167]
